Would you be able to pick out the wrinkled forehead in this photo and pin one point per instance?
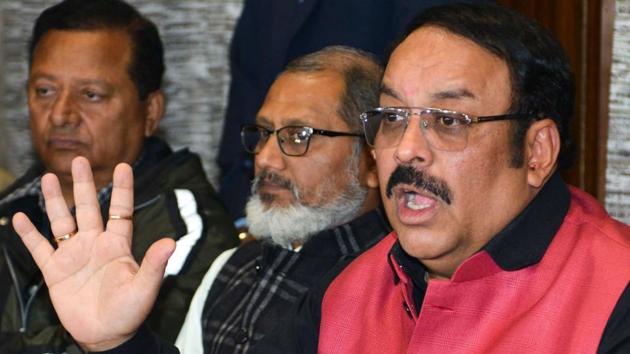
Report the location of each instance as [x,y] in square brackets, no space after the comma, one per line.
[433,64]
[303,98]
[85,54]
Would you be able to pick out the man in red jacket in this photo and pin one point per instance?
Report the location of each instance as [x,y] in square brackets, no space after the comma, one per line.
[492,252]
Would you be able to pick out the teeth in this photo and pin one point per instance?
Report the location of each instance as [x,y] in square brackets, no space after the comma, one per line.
[412,204]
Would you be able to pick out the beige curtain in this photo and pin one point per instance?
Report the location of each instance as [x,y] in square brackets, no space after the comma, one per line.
[618,159]
[3,130]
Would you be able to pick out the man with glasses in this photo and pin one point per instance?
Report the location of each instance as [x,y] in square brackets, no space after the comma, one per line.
[492,252]
[314,176]
[313,207]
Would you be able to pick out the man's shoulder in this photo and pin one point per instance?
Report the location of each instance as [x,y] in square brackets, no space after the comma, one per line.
[374,260]
[20,185]
[179,170]
[158,159]
[22,196]
[587,214]
[349,240]
[174,198]
[369,274]
[362,273]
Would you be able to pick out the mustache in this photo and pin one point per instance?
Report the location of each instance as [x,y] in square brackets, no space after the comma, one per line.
[405,174]
[266,176]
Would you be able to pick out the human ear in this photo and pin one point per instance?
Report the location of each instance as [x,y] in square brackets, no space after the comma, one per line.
[542,149]
[370,175]
[154,112]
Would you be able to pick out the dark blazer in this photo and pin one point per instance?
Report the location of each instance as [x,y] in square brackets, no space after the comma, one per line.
[269,34]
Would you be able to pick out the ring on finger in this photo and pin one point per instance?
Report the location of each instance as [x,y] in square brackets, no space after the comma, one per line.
[60,239]
[120,217]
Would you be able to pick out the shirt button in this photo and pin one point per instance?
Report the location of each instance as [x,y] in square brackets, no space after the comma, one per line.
[407,309]
[241,336]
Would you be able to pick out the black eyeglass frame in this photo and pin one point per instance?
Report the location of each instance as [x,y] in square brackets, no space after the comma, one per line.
[310,131]
[407,112]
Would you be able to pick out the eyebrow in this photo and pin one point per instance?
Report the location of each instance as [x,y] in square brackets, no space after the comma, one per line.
[261,120]
[82,82]
[265,121]
[437,96]
[41,76]
[453,94]
[297,121]
[95,82]
[386,90]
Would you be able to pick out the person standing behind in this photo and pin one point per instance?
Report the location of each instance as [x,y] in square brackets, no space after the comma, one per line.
[95,73]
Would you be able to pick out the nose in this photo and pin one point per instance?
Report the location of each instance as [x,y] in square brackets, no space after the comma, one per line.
[270,155]
[413,146]
[63,111]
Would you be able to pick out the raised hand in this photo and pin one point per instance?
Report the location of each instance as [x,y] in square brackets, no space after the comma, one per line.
[100,293]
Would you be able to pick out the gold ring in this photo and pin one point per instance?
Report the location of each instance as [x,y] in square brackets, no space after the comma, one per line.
[120,217]
[64,237]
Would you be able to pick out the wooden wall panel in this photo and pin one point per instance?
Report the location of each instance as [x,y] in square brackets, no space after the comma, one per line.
[584,27]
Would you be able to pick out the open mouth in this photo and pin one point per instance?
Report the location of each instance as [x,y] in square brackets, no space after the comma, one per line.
[415,201]
[420,182]
[414,206]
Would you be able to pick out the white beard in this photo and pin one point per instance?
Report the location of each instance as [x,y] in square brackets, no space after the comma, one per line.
[295,223]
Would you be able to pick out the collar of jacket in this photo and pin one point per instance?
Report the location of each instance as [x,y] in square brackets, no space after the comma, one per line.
[153,151]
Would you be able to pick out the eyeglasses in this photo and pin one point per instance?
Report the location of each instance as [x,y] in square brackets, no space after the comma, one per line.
[293,140]
[443,129]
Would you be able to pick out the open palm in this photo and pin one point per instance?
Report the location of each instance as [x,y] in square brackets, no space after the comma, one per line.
[100,293]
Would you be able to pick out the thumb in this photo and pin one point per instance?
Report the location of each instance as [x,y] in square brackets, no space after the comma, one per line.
[151,272]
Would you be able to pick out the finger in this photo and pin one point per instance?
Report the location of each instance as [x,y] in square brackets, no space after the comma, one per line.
[151,272]
[85,201]
[61,221]
[122,202]
[37,245]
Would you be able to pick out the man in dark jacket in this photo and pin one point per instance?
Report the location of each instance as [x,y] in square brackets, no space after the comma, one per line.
[94,91]
[312,201]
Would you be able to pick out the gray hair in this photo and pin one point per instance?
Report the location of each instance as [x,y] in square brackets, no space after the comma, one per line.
[362,74]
